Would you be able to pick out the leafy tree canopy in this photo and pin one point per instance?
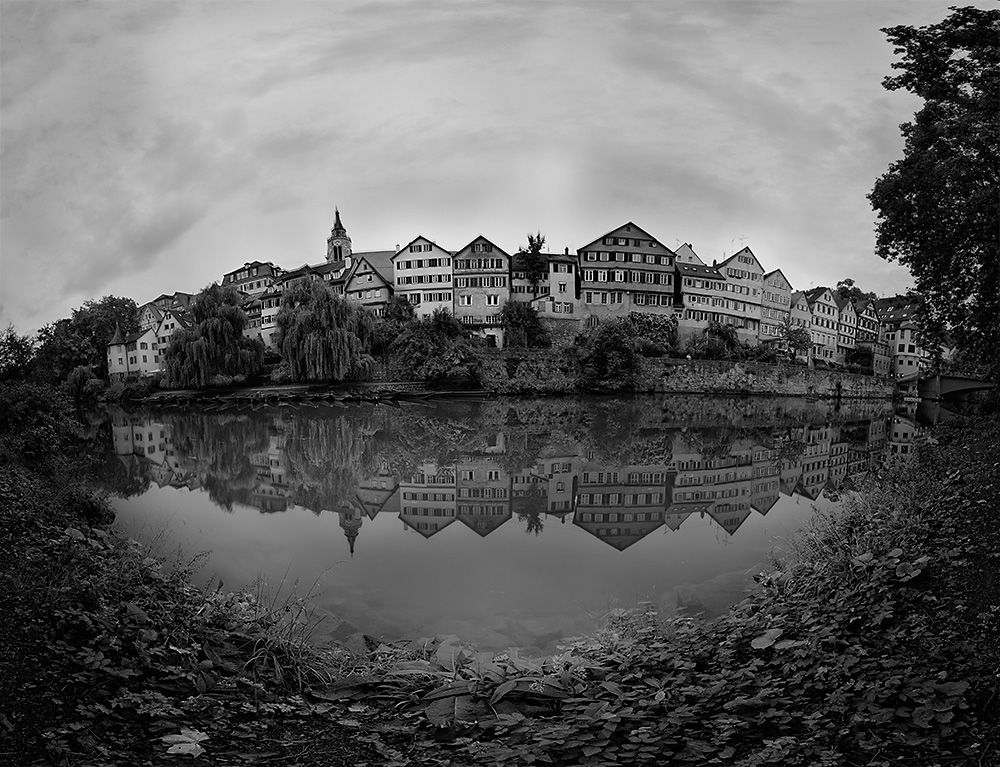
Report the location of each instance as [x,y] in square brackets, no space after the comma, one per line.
[609,358]
[847,289]
[213,351]
[321,336]
[534,262]
[82,340]
[523,327]
[937,206]
[397,313]
[17,353]
[438,349]
[797,337]
[716,342]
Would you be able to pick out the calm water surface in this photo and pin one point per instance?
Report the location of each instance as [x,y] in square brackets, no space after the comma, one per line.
[510,523]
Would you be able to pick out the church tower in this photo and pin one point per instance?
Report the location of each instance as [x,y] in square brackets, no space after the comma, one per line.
[350,523]
[338,244]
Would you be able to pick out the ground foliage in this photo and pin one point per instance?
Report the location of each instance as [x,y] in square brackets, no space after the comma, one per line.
[865,647]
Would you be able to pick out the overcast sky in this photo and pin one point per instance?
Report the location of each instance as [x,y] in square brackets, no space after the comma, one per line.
[150,147]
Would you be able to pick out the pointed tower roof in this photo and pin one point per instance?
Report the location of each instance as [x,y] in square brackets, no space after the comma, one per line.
[336,221]
[117,339]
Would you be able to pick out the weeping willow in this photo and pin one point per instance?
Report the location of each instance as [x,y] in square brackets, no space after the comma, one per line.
[213,351]
[323,337]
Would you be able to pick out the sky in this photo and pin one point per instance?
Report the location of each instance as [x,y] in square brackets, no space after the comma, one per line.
[151,147]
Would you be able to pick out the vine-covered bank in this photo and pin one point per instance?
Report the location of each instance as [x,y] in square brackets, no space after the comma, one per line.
[872,644]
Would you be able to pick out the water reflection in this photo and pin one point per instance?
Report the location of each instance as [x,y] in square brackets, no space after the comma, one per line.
[566,472]
[617,470]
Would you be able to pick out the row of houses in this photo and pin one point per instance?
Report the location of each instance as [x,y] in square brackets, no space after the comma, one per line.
[617,503]
[625,270]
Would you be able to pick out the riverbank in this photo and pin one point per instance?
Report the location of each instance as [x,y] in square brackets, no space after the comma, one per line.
[549,373]
[842,656]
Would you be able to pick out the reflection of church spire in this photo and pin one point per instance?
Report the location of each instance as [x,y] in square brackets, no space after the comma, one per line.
[350,523]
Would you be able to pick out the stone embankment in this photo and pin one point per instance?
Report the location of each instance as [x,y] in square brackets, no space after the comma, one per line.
[548,372]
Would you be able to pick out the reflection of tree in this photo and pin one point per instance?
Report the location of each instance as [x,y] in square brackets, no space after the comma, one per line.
[328,457]
[124,479]
[521,451]
[217,447]
[711,444]
[530,507]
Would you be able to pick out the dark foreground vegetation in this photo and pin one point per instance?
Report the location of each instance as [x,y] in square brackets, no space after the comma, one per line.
[872,643]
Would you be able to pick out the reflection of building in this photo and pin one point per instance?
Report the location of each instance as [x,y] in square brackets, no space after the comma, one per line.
[350,523]
[427,499]
[378,492]
[902,434]
[483,491]
[270,493]
[621,505]
[720,486]
[815,462]
[724,474]
[766,483]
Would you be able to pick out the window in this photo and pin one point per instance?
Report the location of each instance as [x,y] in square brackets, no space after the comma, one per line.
[562,287]
[465,300]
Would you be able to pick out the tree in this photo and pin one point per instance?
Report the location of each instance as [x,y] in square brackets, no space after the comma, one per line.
[396,315]
[96,321]
[937,206]
[846,289]
[797,338]
[438,349]
[716,342]
[609,358]
[61,349]
[213,351]
[321,336]
[17,353]
[534,263]
[82,340]
[655,332]
[523,327]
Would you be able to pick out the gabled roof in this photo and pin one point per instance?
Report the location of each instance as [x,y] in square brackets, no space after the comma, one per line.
[843,303]
[418,237]
[481,238]
[139,334]
[745,251]
[686,254]
[812,295]
[619,229]
[181,318]
[379,260]
[778,271]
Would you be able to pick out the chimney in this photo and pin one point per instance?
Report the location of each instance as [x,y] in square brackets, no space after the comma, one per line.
[567,250]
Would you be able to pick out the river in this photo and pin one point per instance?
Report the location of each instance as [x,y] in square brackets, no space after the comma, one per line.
[509,523]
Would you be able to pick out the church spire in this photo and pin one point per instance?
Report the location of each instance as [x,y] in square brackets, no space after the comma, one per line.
[338,244]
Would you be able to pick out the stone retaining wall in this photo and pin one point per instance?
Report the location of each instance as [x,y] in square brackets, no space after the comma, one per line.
[551,371]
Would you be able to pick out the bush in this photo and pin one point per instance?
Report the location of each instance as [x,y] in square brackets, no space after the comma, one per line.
[608,359]
[648,348]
